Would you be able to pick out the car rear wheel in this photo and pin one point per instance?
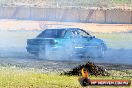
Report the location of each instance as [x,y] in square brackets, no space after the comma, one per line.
[42,54]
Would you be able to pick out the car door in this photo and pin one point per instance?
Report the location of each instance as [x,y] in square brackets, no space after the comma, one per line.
[82,38]
[77,40]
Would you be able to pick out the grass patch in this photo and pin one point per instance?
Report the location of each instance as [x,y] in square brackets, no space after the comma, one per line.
[116,40]
[22,78]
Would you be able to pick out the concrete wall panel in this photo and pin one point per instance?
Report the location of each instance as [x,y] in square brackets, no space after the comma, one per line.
[63,14]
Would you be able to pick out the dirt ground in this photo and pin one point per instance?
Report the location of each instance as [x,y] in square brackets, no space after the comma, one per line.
[13,43]
[38,25]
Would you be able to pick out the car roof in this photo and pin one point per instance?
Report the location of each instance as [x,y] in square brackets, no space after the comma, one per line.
[65,29]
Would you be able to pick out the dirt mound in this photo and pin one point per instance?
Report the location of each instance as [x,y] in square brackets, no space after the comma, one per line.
[92,68]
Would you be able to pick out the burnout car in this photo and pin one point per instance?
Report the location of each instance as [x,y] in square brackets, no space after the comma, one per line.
[66,42]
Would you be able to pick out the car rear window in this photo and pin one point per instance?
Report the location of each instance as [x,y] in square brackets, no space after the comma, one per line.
[52,33]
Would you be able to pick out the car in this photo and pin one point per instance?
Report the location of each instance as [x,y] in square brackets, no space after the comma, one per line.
[66,43]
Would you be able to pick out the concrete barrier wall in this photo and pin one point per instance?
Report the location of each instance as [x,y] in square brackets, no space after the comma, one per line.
[69,14]
[119,16]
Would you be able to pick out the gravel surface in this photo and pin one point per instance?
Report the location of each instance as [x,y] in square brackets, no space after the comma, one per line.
[54,66]
[20,58]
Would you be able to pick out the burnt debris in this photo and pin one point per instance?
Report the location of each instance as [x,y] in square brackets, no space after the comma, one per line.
[92,68]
